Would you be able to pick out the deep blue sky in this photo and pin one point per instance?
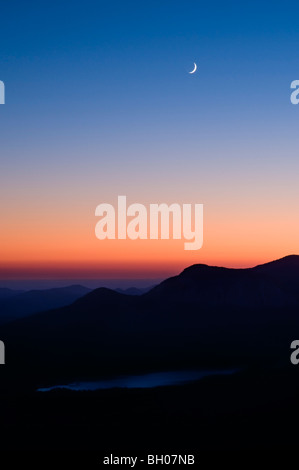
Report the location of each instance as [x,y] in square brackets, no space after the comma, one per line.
[117,69]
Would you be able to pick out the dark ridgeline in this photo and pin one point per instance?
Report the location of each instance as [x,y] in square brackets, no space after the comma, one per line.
[204,317]
[134,290]
[17,304]
[6,293]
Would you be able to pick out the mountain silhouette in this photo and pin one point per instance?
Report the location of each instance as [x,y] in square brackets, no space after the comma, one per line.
[17,304]
[263,286]
[134,290]
[206,316]
[6,293]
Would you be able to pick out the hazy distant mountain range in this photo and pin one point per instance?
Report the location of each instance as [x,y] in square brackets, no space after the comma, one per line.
[6,293]
[16,304]
[134,290]
[205,316]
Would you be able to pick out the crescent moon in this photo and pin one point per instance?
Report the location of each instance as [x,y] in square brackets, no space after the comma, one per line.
[195,67]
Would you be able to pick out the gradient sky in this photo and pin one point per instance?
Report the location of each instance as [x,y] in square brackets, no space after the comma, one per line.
[99,103]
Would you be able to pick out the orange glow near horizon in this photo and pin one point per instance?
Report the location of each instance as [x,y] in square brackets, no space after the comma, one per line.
[45,237]
[72,250]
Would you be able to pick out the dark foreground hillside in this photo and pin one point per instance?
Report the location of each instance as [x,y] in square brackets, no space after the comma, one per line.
[249,411]
[206,317]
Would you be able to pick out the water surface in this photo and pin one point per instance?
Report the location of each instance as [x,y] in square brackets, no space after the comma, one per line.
[157,379]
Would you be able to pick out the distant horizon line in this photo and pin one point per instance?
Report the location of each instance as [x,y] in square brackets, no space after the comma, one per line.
[120,275]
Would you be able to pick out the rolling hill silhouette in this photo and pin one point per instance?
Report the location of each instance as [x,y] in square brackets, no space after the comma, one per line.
[17,304]
[264,286]
[133,290]
[206,316]
[6,293]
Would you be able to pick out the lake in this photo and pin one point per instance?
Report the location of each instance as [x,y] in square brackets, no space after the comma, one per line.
[156,379]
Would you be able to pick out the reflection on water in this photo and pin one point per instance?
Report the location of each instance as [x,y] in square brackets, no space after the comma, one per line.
[157,379]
